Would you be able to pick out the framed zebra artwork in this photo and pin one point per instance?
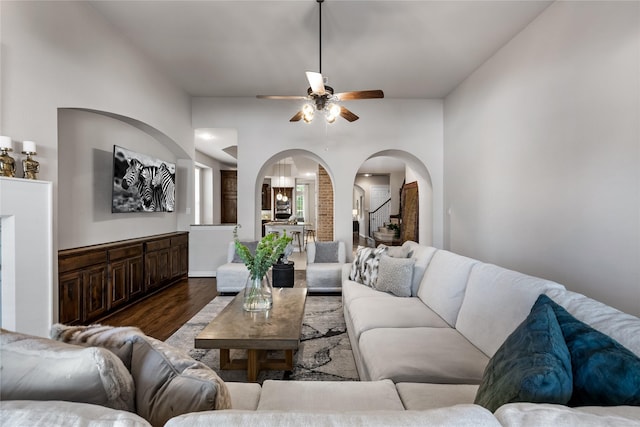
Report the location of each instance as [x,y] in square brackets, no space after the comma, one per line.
[142,183]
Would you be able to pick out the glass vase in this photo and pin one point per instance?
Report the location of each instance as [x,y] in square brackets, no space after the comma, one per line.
[257,294]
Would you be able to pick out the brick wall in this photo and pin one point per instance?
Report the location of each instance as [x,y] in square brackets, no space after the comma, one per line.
[324,228]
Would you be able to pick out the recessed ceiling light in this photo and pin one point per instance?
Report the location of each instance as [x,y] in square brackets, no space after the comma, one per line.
[367,174]
[206,136]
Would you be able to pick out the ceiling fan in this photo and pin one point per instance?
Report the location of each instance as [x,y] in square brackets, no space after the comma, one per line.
[321,97]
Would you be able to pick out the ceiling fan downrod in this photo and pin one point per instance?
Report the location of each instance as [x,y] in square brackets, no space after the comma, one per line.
[320,34]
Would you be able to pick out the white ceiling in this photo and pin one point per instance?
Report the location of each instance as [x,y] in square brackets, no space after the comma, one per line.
[409,49]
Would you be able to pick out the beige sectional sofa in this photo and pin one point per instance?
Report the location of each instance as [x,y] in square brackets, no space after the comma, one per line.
[420,358]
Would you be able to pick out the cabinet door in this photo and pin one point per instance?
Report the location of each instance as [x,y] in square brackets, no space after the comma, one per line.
[184,260]
[151,273]
[229,201]
[70,298]
[136,277]
[95,292]
[119,283]
[175,261]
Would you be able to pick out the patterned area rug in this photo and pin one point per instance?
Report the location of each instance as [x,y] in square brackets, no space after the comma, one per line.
[324,353]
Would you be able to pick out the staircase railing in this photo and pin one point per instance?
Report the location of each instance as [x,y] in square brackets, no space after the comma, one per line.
[379,217]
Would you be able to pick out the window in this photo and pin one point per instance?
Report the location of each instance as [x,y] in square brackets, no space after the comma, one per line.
[301,191]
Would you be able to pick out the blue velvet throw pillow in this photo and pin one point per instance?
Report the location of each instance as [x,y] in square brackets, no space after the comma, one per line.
[532,365]
[605,373]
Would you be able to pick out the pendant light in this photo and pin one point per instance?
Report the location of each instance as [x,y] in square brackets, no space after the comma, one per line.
[279,195]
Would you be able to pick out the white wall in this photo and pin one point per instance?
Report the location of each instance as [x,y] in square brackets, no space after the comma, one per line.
[264,132]
[542,153]
[85,178]
[63,55]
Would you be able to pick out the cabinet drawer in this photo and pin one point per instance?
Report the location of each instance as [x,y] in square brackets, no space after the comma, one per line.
[180,240]
[157,245]
[126,252]
[76,262]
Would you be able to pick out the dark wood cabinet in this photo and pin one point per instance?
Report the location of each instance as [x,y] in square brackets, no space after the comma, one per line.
[95,281]
[229,197]
[266,197]
[70,297]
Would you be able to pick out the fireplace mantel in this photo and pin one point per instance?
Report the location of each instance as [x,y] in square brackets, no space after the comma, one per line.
[26,255]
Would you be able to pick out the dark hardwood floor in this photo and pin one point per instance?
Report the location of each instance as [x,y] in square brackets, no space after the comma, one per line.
[163,313]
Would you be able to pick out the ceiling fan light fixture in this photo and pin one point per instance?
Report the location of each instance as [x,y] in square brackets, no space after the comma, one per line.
[307,113]
[332,111]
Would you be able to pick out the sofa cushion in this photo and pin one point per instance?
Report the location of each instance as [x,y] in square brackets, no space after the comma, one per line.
[620,326]
[231,277]
[532,414]
[56,413]
[532,365]
[252,245]
[604,372]
[459,415]
[35,368]
[425,355]
[336,396]
[380,312]
[244,396]
[423,396]
[496,301]
[423,255]
[325,276]
[352,291]
[394,275]
[399,251]
[326,252]
[170,383]
[444,283]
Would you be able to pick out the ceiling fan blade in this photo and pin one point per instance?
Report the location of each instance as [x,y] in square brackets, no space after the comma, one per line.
[294,97]
[297,117]
[348,114]
[359,94]
[316,81]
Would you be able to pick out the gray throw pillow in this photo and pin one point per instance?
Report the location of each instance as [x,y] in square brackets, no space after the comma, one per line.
[326,252]
[170,383]
[35,368]
[395,275]
[252,248]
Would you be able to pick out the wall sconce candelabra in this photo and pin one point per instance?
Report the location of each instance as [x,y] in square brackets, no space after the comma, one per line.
[7,163]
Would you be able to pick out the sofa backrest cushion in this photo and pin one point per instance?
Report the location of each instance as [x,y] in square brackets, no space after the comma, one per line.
[444,283]
[422,254]
[496,301]
[620,326]
[170,383]
[534,414]
[35,368]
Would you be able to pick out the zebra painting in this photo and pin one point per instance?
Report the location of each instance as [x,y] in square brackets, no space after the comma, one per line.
[163,180]
[142,184]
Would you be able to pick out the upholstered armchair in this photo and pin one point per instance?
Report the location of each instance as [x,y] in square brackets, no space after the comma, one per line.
[325,261]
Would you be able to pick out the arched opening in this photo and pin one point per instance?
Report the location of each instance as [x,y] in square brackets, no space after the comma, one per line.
[311,188]
[393,199]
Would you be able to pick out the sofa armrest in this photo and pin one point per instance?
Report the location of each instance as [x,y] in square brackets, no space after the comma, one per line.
[346,270]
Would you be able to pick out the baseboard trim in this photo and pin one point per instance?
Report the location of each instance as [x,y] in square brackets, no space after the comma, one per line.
[202,273]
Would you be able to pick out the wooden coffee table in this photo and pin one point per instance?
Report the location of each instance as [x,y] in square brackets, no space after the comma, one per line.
[276,329]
